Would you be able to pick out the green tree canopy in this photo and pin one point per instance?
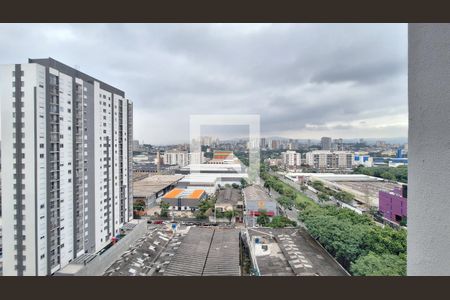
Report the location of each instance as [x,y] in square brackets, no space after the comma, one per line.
[263,219]
[379,265]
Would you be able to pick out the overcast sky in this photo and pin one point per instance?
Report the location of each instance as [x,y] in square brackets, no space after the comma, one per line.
[304,80]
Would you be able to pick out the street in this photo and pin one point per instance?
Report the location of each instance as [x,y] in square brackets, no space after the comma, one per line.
[291,214]
[307,192]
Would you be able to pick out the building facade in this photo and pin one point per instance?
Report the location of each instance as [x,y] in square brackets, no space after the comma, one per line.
[326,160]
[291,158]
[393,204]
[176,157]
[362,159]
[325,143]
[66,165]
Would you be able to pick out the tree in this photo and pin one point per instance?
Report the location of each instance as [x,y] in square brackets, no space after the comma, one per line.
[139,205]
[244,183]
[200,215]
[286,202]
[388,176]
[281,221]
[164,209]
[267,185]
[263,219]
[229,214]
[344,197]
[323,197]
[379,265]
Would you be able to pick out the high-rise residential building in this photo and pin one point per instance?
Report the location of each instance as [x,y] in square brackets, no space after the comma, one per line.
[206,140]
[324,159]
[263,143]
[176,157]
[325,143]
[338,144]
[275,145]
[66,165]
[291,158]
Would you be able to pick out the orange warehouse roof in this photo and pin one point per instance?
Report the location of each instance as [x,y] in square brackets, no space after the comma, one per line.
[173,193]
[196,194]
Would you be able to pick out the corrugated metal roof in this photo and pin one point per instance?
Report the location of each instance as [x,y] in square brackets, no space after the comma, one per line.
[207,252]
[196,194]
[173,193]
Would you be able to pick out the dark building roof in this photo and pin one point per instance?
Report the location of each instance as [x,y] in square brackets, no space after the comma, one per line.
[207,252]
[52,63]
[229,196]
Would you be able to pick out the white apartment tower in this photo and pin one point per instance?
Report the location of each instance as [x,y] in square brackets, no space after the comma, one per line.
[324,159]
[66,165]
[176,157]
[291,158]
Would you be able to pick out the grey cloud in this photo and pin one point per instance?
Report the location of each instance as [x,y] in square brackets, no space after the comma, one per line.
[290,74]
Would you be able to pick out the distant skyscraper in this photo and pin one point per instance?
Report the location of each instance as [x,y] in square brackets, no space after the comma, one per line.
[66,165]
[275,144]
[338,145]
[325,142]
[263,143]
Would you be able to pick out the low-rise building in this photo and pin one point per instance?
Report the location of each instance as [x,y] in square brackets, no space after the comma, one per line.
[230,199]
[223,157]
[395,162]
[184,199]
[274,161]
[393,204]
[211,181]
[154,186]
[362,159]
[257,200]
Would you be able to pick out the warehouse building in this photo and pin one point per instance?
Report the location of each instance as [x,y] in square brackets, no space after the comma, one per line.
[256,200]
[184,199]
[207,251]
[152,187]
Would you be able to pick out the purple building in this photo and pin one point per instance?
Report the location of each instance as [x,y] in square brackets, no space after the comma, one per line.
[393,204]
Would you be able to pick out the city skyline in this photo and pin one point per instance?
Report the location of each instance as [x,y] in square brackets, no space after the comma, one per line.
[349,83]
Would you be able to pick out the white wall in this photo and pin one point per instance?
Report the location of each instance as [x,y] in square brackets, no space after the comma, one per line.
[429,128]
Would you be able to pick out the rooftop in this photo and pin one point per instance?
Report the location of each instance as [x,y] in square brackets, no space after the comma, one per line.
[138,259]
[221,168]
[293,252]
[52,63]
[229,196]
[207,251]
[184,193]
[255,193]
[153,184]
